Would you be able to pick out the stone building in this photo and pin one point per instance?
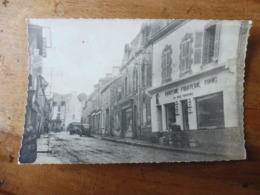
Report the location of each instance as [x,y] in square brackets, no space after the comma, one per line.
[92,110]
[136,78]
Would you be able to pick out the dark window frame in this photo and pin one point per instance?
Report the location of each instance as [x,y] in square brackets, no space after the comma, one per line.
[223,108]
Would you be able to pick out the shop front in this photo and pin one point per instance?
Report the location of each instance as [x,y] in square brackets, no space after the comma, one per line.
[127,119]
[204,101]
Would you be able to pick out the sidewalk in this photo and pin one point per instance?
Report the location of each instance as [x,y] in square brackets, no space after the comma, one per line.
[192,150]
[44,153]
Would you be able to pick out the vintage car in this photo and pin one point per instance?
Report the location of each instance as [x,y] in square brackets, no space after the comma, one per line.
[86,130]
[78,128]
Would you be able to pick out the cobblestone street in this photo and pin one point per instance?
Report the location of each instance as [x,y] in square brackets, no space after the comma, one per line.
[65,148]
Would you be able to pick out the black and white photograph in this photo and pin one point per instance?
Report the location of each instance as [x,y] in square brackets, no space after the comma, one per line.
[104,91]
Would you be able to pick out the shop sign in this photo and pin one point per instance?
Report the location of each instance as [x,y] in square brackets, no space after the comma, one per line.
[190,87]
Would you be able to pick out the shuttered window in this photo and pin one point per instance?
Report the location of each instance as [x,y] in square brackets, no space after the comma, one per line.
[166,64]
[198,47]
[211,43]
[185,53]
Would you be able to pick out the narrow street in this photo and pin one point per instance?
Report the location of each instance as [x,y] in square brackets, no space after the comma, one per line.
[67,149]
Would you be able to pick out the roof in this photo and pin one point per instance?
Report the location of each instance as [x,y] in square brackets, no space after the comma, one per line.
[108,84]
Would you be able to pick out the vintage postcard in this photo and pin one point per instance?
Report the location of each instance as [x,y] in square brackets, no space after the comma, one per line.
[134,91]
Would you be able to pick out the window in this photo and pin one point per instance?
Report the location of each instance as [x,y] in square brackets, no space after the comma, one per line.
[198,47]
[135,80]
[210,111]
[144,74]
[119,93]
[166,64]
[211,43]
[185,53]
[126,86]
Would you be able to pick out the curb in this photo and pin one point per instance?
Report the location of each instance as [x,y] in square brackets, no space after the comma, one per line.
[162,147]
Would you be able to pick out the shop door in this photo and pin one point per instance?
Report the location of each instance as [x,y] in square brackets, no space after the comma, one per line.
[127,122]
[185,114]
[170,114]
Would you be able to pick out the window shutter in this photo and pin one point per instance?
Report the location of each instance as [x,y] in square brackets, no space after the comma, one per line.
[206,40]
[217,40]
[198,47]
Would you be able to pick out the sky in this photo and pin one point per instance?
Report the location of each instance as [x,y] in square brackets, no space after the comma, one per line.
[83,50]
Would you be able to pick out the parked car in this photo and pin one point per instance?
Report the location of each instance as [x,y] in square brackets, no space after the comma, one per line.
[80,129]
[86,130]
[75,128]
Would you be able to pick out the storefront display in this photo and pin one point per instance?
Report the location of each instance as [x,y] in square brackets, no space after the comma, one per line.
[210,112]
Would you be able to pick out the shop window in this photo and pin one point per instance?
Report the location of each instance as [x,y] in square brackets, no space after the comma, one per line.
[210,111]
[211,43]
[166,64]
[186,53]
[170,114]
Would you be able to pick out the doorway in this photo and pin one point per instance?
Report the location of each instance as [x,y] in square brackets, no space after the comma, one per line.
[127,122]
[185,114]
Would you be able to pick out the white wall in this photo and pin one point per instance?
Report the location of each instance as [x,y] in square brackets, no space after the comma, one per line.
[226,80]
[227,49]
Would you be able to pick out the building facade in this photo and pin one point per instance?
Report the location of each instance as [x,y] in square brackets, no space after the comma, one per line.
[178,83]
[136,73]
[194,83]
[66,108]
[37,109]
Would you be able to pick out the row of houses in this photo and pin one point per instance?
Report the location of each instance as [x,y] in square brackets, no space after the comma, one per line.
[180,73]
[65,109]
[38,109]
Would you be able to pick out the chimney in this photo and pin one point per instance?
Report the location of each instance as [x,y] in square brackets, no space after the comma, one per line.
[96,86]
[109,75]
[101,82]
[116,71]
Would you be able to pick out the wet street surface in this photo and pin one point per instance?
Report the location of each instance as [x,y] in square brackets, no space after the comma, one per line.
[68,149]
